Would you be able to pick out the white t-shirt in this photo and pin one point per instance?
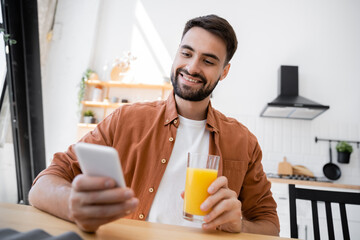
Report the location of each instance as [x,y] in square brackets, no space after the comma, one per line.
[167,206]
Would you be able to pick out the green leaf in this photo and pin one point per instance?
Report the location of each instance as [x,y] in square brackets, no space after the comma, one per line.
[344,147]
[89,113]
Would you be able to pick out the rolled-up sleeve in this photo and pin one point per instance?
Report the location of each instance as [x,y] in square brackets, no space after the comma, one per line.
[255,195]
[66,165]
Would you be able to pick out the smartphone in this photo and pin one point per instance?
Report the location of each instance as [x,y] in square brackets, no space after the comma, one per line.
[101,161]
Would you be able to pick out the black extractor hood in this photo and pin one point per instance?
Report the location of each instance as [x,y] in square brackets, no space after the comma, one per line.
[289,104]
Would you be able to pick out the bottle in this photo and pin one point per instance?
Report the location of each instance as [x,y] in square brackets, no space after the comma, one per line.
[97,93]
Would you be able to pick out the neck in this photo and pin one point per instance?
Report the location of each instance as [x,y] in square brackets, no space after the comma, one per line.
[192,110]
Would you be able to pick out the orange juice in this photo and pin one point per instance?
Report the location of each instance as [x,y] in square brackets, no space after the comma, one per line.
[197,182]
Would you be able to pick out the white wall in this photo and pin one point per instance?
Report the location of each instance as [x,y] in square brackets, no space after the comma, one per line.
[322,37]
[67,58]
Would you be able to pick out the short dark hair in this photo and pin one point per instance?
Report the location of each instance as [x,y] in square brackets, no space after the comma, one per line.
[218,26]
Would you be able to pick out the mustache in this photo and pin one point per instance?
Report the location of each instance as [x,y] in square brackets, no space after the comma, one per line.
[196,75]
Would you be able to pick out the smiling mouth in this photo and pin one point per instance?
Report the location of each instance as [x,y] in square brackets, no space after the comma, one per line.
[190,79]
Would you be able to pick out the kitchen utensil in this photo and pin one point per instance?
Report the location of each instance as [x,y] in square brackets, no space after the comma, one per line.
[285,168]
[302,171]
[331,171]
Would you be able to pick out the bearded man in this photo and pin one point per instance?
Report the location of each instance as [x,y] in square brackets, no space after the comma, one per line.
[153,140]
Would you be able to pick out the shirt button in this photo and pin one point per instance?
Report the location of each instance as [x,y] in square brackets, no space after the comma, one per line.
[151,189]
[171,139]
[175,121]
[163,160]
[141,216]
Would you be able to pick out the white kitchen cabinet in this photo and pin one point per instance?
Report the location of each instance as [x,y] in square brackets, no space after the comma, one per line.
[281,196]
[304,214]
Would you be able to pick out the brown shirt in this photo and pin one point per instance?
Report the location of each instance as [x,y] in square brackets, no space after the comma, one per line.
[144,135]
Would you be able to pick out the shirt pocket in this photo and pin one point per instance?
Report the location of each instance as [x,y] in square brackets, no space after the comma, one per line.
[235,171]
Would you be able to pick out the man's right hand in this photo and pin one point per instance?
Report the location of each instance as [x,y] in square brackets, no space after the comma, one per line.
[94,201]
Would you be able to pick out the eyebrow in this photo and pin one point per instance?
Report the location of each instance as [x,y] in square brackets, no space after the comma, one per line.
[205,54]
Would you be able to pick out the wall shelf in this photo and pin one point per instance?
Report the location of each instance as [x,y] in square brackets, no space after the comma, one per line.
[165,86]
[87,125]
[118,84]
[102,104]
[108,106]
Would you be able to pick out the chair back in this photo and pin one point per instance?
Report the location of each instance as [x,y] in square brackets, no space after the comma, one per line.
[328,197]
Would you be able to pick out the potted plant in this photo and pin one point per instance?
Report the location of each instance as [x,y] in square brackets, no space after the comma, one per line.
[89,116]
[87,75]
[344,150]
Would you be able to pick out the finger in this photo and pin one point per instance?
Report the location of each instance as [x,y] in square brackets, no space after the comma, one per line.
[220,182]
[182,194]
[228,205]
[104,212]
[228,221]
[92,224]
[212,200]
[108,196]
[216,223]
[87,183]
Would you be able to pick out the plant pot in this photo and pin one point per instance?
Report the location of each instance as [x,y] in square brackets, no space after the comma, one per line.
[343,157]
[89,119]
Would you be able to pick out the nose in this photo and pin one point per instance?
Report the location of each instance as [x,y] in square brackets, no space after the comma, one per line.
[193,66]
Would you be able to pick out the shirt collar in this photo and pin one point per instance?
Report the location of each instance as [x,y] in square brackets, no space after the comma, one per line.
[211,123]
[171,114]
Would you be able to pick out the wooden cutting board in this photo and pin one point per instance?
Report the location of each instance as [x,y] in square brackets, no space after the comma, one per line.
[285,168]
[302,170]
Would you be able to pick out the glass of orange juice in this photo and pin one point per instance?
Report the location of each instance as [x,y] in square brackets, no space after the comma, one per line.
[202,170]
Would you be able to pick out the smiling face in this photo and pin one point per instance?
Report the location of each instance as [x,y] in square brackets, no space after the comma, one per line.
[198,65]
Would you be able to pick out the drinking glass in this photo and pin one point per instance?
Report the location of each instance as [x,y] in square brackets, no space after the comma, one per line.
[202,170]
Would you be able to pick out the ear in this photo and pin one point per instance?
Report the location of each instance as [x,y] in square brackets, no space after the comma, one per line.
[225,71]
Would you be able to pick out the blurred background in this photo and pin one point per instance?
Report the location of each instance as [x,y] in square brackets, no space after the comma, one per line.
[321,37]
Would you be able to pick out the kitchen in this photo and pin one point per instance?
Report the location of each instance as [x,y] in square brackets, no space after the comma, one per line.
[320,37]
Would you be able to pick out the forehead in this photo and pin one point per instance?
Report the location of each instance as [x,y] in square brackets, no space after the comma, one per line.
[205,42]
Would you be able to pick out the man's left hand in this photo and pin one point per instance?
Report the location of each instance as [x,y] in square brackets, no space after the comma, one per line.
[226,208]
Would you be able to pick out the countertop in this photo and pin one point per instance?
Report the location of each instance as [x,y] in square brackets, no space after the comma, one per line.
[314,183]
[25,218]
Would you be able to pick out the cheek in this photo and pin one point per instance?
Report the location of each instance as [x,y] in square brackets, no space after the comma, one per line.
[213,75]
[174,67]
[220,73]
[177,60]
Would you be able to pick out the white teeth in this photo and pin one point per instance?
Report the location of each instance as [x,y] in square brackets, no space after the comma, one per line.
[190,80]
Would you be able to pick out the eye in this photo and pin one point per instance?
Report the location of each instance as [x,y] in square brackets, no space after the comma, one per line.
[208,62]
[185,54]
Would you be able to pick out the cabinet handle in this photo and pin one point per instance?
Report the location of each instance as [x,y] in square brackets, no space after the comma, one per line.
[283,198]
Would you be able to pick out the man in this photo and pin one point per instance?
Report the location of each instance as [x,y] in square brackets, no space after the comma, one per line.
[153,139]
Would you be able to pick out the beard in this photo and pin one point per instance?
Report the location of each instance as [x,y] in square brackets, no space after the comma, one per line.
[187,92]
